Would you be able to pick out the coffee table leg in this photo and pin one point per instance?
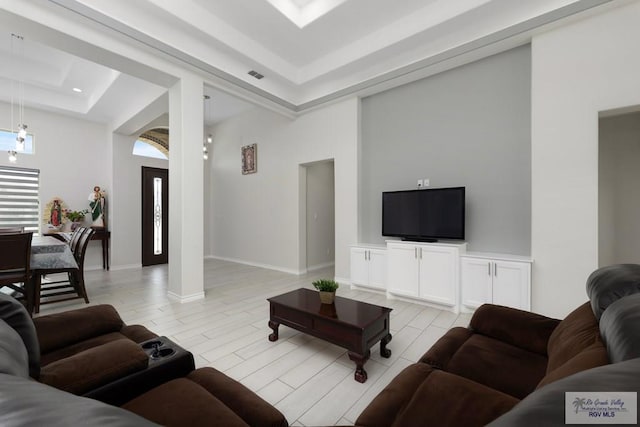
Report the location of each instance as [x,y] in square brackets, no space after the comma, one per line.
[273,325]
[384,351]
[361,374]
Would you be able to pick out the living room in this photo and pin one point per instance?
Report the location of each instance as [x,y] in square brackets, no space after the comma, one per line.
[527,114]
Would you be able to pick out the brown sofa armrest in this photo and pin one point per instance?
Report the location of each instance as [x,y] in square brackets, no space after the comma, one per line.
[137,333]
[423,396]
[63,329]
[520,328]
[95,367]
[246,404]
[443,350]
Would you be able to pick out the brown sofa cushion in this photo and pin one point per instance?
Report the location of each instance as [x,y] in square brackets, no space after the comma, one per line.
[96,366]
[523,329]
[574,334]
[443,350]
[183,403]
[498,365]
[62,329]
[245,403]
[593,356]
[421,396]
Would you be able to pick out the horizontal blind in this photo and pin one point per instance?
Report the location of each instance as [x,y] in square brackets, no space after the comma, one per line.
[19,205]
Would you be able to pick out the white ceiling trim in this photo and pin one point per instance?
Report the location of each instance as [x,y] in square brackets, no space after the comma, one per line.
[302,13]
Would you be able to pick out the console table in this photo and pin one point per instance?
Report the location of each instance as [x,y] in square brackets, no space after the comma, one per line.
[103,235]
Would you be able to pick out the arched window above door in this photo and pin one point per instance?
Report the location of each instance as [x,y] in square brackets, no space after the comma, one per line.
[153,143]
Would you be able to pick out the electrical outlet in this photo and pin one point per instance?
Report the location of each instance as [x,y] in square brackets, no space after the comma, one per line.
[425,182]
[419,183]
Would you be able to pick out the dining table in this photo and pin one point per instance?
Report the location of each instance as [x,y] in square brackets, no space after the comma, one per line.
[47,254]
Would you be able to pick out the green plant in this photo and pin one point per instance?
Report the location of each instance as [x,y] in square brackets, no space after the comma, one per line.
[324,285]
[75,216]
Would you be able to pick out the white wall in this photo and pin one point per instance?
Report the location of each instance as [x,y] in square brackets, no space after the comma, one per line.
[126,206]
[255,218]
[578,70]
[320,212]
[619,182]
[72,156]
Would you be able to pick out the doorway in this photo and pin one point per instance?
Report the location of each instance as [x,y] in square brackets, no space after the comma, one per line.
[155,216]
[320,214]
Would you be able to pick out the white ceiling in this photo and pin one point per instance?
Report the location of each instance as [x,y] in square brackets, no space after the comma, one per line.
[310,51]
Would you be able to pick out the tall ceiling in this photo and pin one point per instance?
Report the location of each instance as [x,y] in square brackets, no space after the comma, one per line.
[309,51]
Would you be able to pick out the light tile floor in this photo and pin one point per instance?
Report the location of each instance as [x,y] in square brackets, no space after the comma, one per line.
[309,380]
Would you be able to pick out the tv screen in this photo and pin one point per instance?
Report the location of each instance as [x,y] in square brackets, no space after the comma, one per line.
[427,215]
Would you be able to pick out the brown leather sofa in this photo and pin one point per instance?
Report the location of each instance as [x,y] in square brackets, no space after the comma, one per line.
[82,350]
[473,375]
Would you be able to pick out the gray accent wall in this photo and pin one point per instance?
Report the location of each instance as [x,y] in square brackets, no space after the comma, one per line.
[470,126]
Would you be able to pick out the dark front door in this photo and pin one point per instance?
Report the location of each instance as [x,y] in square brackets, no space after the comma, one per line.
[155,216]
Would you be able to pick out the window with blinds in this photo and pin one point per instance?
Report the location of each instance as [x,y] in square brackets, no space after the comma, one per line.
[19,198]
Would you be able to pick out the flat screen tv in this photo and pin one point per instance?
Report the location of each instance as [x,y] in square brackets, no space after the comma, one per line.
[424,215]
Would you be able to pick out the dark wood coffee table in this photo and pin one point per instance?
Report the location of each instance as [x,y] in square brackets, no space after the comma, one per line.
[351,324]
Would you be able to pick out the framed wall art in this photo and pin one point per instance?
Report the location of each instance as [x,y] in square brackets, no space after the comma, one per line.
[249,159]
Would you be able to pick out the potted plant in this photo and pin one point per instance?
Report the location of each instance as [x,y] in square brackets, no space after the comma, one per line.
[76,217]
[327,289]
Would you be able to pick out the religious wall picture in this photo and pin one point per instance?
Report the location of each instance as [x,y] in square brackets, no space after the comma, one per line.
[53,214]
[249,159]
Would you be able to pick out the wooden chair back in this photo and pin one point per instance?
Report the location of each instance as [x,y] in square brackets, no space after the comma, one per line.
[11,230]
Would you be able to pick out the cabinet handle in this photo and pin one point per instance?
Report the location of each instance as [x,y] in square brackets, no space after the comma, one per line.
[489,268]
[369,256]
[420,253]
[495,269]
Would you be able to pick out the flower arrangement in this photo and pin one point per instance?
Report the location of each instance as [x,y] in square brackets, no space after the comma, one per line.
[75,216]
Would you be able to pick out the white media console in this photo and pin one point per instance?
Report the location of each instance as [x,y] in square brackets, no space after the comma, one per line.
[443,275]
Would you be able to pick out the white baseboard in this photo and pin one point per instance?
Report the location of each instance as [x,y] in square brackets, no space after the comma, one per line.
[184,299]
[320,266]
[257,264]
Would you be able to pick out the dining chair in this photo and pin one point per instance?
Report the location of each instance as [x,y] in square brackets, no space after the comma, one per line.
[11,230]
[73,286]
[15,269]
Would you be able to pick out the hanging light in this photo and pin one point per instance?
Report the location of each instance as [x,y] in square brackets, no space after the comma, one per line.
[21,134]
[209,139]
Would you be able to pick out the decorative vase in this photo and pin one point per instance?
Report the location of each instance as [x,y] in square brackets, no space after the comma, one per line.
[75,224]
[327,297]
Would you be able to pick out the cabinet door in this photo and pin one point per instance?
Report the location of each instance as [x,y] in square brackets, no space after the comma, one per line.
[359,266]
[438,274]
[403,269]
[476,276]
[511,284]
[377,268]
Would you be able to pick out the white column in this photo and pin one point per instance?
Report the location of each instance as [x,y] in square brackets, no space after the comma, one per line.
[186,190]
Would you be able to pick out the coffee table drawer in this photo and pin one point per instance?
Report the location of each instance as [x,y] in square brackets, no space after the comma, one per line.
[291,317]
[349,338]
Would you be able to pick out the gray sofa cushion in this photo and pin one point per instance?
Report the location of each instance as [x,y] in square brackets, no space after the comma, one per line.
[546,406]
[608,284]
[25,402]
[620,329]
[13,356]
[16,316]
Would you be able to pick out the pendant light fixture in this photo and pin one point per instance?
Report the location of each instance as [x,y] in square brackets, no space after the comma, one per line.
[21,132]
[209,138]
